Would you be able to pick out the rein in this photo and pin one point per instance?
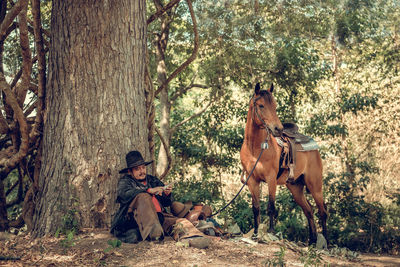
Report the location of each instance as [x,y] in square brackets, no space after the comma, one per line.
[263,147]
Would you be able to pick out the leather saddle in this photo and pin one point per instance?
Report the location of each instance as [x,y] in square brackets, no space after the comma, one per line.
[291,130]
[292,141]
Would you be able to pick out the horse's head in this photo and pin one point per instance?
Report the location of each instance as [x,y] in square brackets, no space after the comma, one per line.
[264,110]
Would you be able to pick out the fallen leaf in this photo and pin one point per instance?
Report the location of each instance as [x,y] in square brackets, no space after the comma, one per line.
[116,253]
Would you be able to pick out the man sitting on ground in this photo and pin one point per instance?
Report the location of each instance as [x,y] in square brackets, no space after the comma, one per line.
[142,214]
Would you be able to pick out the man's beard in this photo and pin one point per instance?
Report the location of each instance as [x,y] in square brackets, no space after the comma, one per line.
[141,180]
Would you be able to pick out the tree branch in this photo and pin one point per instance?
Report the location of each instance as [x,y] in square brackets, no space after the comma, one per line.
[9,190]
[162,11]
[41,57]
[9,30]
[30,109]
[185,89]
[191,58]
[3,124]
[30,29]
[166,148]
[23,126]
[26,56]
[150,111]
[19,198]
[11,14]
[176,126]
[18,75]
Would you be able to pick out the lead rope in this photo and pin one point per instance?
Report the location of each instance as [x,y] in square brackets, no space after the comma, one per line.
[263,147]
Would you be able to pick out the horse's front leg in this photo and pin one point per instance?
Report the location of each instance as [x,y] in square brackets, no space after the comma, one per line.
[254,188]
[256,214]
[271,212]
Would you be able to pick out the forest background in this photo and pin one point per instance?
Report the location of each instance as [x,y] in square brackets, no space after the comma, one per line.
[335,66]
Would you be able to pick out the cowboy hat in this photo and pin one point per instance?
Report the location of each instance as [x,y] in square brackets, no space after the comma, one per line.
[179,209]
[207,211]
[134,159]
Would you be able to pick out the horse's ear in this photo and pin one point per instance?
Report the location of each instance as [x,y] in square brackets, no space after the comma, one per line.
[257,89]
[271,89]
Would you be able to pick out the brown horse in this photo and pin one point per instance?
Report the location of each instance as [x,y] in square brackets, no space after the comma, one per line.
[262,126]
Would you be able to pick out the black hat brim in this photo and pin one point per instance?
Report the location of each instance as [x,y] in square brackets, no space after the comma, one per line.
[135,165]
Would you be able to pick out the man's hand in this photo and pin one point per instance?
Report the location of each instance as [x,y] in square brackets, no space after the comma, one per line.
[167,189]
[156,190]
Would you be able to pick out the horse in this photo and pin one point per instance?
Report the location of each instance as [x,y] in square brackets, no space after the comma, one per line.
[262,128]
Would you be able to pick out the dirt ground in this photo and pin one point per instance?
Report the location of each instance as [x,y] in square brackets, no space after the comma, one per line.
[94,248]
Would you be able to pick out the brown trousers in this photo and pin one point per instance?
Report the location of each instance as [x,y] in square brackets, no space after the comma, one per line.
[146,217]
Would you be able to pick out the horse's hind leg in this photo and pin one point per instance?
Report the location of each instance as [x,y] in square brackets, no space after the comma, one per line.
[298,195]
[313,181]
[254,188]
[316,192]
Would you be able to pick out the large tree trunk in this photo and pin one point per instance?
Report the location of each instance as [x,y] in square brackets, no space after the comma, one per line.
[95,109]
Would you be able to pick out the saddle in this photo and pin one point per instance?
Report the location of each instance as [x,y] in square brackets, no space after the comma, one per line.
[292,141]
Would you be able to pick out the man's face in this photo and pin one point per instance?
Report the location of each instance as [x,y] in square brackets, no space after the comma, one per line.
[139,172]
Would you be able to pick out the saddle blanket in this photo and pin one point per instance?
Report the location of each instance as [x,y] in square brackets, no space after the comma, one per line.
[309,145]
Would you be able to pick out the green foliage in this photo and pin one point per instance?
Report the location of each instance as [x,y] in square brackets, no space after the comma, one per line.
[113,243]
[313,257]
[327,123]
[241,212]
[205,190]
[278,260]
[69,240]
[297,65]
[354,21]
[291,221]
[217,141]
[353,222]
[13,211]
[68,229]
[343,252]
[69,224]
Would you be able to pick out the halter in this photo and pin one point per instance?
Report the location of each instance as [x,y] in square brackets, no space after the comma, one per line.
[264,124]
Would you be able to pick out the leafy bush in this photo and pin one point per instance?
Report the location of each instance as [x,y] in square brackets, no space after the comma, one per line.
[357,224]
[197,190]
[241,213]
[291,221]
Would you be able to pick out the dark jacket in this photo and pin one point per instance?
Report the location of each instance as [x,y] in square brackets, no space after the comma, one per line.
[128,188]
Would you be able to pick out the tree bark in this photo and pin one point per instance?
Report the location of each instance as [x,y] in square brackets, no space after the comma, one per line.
[95,109]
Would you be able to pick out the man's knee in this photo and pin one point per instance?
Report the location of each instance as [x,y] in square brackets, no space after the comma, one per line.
[143,197]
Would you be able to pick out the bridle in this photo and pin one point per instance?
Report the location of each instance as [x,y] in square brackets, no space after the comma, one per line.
[256,113]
